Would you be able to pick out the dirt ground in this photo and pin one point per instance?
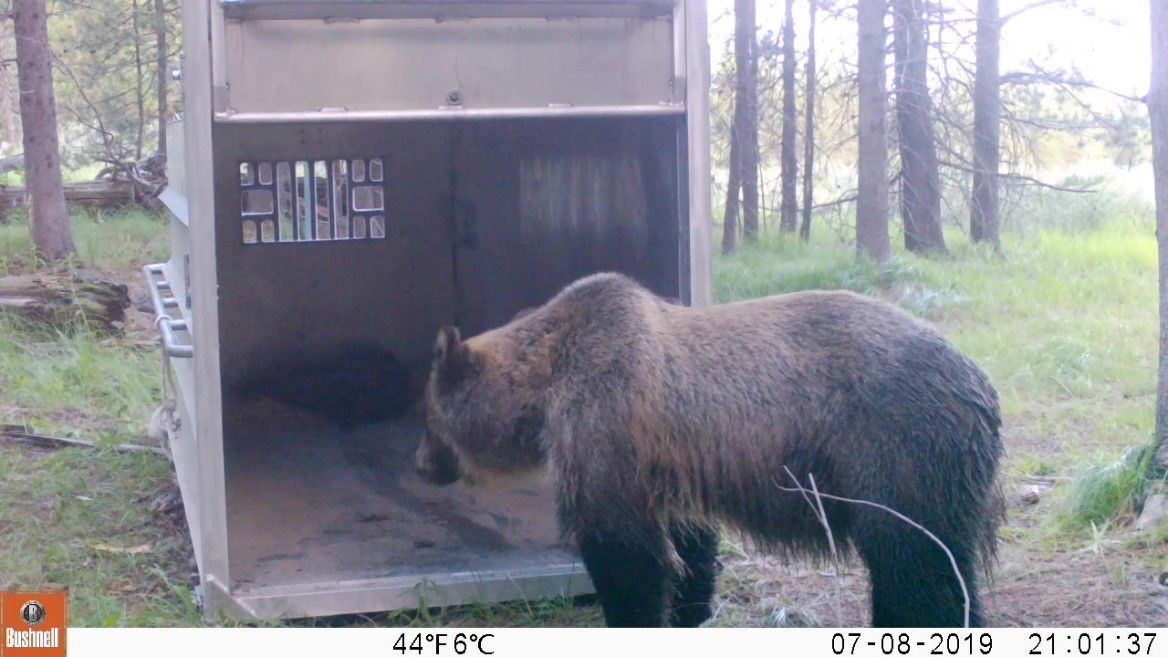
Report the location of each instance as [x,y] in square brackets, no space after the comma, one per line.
[1030,588]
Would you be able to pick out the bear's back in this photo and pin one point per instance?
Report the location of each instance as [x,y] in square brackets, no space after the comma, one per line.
[794,359]
[814,332]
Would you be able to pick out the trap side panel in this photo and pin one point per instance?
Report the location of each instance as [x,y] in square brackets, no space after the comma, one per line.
[415,64]
[481,219]
[291,300]
[313,506]
[543,202]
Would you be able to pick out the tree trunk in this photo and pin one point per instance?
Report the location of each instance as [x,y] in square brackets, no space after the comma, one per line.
[163,78]
[8,107]
[984,221]
[52,236]
[920,178]
[789,205]
[139,91]
[872,193]
[733,187]
[1158,111]
[809,127]
[746,112]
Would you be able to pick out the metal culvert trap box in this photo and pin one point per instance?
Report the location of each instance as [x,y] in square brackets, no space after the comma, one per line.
[348,177]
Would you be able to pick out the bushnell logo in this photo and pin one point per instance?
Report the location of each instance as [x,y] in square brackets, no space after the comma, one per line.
[33,613]
[32,623]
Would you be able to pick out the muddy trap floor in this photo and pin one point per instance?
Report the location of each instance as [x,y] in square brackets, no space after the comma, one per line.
[308,503]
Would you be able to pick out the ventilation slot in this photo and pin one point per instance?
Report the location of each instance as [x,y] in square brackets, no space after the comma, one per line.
[312,200]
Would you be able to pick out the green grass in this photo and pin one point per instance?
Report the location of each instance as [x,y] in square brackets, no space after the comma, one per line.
[111,240]
[59,508]
[76,382]
[779,263]
[1065,323]
[65,509]
[1105,493]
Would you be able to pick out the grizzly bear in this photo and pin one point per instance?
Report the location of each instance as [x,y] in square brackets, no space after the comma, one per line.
[661,423]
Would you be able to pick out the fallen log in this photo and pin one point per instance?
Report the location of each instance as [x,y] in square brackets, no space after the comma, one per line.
[12,163]
[106,194]
[100,193]
[63,300]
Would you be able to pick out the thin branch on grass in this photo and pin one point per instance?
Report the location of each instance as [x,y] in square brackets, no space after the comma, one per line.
[799,488]
[22,434]
[821,513]
[1043,480]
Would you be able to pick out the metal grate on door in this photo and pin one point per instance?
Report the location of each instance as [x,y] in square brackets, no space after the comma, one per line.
[312,200]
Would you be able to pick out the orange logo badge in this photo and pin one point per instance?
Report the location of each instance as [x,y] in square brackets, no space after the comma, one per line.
[32,623]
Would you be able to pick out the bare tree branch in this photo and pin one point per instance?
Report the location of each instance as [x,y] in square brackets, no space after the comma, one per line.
[799,488]
[1029,7]
[1026,179]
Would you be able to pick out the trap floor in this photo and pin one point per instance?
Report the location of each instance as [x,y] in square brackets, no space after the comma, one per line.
[309,504]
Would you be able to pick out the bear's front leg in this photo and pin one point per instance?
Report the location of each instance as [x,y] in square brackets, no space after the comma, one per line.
[693,592]
[631,577]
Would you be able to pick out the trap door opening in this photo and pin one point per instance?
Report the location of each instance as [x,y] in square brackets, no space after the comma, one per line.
[324,518]
[482,219]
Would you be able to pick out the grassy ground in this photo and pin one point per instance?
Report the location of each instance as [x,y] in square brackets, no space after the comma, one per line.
[116,241]
[1065,324]
[66,516]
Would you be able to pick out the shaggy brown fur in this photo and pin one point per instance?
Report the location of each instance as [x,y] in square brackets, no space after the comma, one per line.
[660,421]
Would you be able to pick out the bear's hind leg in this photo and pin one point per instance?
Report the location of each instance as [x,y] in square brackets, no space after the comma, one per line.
[913,583]
[631,577]
[693,591]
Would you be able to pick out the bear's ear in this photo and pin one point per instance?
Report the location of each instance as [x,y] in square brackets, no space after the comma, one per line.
[452,359]
[447,342]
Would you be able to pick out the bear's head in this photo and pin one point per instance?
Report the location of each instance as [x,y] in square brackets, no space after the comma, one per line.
[484,413]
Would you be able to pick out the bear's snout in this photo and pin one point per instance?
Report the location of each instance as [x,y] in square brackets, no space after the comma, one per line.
[435,462]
